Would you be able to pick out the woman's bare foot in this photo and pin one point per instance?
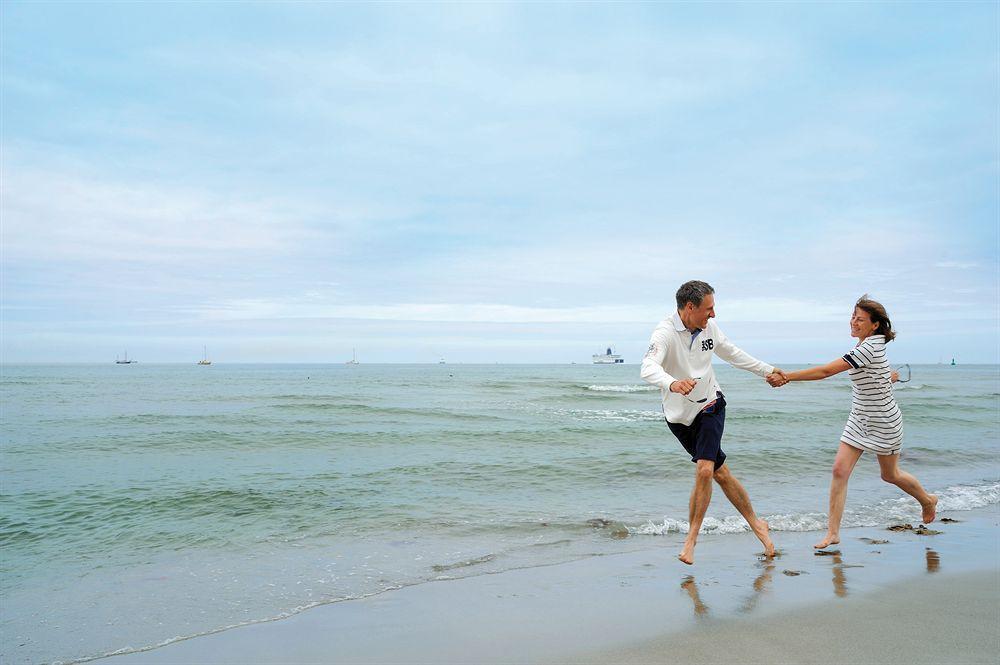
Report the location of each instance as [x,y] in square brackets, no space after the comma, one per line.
[930,510]
[687,554]
[763,532]
[830,539]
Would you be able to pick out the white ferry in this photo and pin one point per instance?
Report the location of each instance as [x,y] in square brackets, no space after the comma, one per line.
[608,358]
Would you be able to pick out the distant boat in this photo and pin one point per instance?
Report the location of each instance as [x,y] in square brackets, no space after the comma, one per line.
[608,358]
[126,361]
[953,361]
[441,362]
[354,358]
[204,359]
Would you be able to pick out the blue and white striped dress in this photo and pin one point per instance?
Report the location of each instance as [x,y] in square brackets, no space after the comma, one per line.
[875,423]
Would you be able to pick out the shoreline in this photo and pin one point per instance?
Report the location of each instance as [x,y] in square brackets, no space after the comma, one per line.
[629,607]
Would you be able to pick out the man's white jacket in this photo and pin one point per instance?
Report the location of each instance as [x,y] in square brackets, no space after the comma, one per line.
[677,353]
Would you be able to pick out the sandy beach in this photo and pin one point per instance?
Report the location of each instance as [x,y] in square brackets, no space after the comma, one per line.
[883,597]
[950,619]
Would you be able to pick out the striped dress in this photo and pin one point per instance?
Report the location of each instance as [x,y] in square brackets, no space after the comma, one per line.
[875,423]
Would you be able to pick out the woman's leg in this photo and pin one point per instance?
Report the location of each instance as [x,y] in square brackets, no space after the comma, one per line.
[906,482]
[843,465]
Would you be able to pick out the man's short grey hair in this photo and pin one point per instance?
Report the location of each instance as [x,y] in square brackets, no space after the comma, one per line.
[693,292]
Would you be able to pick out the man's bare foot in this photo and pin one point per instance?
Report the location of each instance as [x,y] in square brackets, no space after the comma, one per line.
[930,510]
[830,539]
[763,532]
[687,554]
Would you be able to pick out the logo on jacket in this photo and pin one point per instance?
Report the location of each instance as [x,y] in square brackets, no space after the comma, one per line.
[707,345]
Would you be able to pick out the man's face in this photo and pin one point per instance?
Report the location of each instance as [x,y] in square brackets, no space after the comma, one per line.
[697,317]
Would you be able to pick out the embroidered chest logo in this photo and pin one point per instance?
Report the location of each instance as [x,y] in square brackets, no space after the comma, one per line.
[707,345]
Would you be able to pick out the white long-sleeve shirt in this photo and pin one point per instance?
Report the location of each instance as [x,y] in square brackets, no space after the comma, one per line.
[677,353]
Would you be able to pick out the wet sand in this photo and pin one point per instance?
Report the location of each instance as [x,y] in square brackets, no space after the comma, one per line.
[915,598]
[951,619]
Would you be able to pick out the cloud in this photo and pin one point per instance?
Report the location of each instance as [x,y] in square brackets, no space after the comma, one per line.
[744,309]
[960,265]
[492,165]
[50,216]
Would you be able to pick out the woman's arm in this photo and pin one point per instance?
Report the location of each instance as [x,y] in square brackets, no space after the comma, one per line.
[819,372]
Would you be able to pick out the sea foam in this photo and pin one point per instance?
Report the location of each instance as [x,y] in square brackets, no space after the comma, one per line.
[954,498]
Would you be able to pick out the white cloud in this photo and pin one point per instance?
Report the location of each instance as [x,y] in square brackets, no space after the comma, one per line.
[52,217]
[746,309]
[962,265]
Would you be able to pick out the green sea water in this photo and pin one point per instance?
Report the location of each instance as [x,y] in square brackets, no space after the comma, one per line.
[146,503]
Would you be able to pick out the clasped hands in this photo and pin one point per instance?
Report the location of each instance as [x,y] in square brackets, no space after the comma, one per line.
[777,378]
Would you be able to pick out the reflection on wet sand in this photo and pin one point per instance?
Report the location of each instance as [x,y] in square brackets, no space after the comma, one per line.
[762,582]
[759,586]
[933,561]
[839,578]
[689,585]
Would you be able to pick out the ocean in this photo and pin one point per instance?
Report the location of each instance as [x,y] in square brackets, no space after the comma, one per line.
[142,504]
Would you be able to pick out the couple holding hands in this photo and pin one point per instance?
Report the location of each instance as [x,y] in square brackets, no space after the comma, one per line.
[679,361]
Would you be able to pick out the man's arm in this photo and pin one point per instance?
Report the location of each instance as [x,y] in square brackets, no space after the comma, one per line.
[739,358]
[652,363]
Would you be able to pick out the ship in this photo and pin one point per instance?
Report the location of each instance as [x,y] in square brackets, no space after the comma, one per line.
[608,358]
[354,358]
[204,358]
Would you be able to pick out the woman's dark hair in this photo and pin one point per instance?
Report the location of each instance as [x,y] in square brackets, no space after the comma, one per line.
[878,316]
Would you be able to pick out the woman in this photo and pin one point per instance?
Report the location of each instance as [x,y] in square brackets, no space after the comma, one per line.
[875,423]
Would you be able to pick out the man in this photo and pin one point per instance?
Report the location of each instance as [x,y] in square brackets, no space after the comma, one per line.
[679,361]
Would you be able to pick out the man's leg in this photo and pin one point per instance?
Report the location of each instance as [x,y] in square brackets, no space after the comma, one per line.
[701,495]
[739,498]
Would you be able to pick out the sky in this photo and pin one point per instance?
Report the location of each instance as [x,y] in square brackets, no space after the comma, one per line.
[494,182]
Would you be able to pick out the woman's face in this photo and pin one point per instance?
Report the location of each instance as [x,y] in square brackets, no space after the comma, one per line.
[861,324]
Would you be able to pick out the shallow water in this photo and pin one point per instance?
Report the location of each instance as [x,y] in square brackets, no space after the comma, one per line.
[147,502]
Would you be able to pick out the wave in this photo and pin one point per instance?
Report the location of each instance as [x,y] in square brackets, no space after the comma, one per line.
[622,389]
[368,410]
[106,517]
[965,497]
[615,415]
[954,498]
[486,558]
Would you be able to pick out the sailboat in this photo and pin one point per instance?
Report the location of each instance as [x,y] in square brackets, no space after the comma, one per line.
[204,358]
[354,358]
[126,361]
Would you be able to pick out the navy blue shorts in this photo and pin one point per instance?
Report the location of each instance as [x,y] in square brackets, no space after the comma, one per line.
[703,437]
